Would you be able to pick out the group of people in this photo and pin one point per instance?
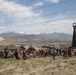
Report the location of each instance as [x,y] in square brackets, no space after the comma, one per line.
[22,53]
[65,52]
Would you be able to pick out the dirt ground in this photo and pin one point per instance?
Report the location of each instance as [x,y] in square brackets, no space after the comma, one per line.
[38,66]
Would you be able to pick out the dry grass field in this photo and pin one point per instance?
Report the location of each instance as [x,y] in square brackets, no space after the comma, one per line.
[38,66]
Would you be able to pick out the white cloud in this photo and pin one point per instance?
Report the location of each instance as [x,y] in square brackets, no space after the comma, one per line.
[54,1]
[64,25]
[1,27]
[38,4]
[24,19]
[17,10]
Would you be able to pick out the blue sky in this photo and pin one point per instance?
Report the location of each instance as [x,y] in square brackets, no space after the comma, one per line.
[37,16]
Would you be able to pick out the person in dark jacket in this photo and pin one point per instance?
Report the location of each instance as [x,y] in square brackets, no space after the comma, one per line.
[16,54]
[6,52]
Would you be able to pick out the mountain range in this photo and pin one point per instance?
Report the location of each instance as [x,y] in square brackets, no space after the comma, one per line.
[42,38]
[54,35]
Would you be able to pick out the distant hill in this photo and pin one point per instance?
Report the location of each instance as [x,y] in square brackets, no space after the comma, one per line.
[27,39]
[35,39]
[62,36]
[1,39]
[10,34]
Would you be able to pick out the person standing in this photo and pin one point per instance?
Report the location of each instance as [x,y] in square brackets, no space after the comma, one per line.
[65,52]
[74,51]
[53,54]
[69,53]
[6,52]
[16,54]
